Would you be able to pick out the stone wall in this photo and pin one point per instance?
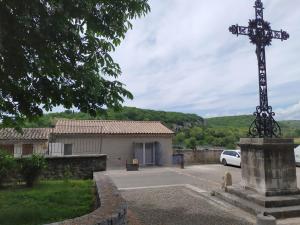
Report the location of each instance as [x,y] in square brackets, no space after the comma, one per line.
[112,208]
[200,156]
[74,166]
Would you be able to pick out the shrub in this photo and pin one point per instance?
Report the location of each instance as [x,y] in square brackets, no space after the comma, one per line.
[7,166]
[31,168]
[67,173]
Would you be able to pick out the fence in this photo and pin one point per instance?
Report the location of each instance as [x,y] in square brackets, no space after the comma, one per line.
[211,156]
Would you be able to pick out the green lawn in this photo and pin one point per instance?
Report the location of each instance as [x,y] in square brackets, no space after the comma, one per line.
[49,201]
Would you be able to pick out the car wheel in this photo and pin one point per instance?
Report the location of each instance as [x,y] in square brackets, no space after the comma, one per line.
[224,162]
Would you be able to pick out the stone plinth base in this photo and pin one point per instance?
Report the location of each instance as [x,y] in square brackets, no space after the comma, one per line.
[269,182]
[278,206]
[268,166]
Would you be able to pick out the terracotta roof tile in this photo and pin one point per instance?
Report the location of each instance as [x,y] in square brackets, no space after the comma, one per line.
[28,134]
[110,127]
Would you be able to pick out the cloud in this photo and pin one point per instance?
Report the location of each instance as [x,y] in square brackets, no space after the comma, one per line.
[290,113]
[182,57]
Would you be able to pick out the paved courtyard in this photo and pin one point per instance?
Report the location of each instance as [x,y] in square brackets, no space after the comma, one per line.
[172,196]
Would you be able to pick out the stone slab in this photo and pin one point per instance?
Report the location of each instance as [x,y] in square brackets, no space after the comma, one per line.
[255,209]
[267,202]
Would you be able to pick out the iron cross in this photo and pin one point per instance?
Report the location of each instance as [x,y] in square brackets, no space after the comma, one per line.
[260,34]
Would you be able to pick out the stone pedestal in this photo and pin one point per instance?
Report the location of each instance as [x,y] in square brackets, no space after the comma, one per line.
[268,166]
[269,182]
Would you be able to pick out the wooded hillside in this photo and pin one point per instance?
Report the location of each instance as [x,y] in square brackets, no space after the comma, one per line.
[192,131]
[173,120]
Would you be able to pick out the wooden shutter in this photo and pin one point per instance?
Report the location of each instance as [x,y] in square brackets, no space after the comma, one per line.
[27,149]
[8,148]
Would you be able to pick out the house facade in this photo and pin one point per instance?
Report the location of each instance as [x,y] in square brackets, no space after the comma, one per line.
[148,141]
[31,140]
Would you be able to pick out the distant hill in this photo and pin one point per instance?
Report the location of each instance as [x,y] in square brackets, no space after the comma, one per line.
[173,120]
[242,121]
[290,128]
[191,130]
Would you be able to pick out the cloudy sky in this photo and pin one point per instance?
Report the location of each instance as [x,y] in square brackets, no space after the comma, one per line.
[181,57]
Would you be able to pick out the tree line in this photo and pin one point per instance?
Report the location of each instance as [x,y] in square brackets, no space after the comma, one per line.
[191,130]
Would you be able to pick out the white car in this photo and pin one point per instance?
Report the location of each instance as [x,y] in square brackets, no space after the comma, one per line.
[231,157]
[297,155]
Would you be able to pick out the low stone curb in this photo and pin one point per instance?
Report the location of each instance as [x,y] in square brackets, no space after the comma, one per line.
[112,208]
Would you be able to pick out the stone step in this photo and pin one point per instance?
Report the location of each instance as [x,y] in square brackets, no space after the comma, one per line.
[267,202]
[255,209]
[240,202]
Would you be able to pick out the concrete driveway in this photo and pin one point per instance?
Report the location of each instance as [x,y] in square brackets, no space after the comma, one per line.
[174,196]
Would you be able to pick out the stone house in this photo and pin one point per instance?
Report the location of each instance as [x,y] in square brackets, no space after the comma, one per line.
[148,141]
[31,140]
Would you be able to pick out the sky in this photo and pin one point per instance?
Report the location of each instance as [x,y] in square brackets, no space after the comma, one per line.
[181,57]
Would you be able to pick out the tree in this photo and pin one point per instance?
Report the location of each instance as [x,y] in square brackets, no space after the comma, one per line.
[191,143]
[57,52]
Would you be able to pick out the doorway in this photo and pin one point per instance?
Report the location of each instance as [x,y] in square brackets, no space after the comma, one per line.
[145,153]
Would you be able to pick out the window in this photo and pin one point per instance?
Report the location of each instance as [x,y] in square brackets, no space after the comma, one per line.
[67,149]
[27,149]
[8,148]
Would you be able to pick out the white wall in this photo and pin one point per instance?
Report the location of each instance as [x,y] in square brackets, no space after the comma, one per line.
[118,148]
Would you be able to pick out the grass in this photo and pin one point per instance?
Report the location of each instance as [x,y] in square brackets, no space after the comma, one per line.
[49,201]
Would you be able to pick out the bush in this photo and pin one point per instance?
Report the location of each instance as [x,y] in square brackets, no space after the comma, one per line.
[7,166]
[31,168]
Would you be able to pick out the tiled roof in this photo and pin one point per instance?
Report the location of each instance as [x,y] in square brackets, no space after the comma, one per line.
[27,134]
[110,127]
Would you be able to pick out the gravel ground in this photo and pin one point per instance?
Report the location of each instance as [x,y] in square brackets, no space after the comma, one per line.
[180,206]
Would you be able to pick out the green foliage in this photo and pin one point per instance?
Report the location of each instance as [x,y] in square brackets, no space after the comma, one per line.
[191,143]
[7,166]
[67,173]
[47,202]
[190,128]
[203,136]
[126,113]
[59,53]
[290,128]
[169,118]
[242,121]
[31,168]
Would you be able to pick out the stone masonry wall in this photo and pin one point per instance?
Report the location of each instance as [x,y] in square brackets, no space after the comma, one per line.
[74,166]
[112,208]
[200,156]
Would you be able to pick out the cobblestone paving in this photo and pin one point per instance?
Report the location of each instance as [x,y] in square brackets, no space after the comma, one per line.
[179,206]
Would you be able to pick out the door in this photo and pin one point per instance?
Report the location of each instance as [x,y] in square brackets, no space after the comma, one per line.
[158,154]
[149,154]
[236,159]
[138,152]
[231,158]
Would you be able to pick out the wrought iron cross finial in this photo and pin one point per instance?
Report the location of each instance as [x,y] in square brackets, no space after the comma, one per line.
[260,33]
